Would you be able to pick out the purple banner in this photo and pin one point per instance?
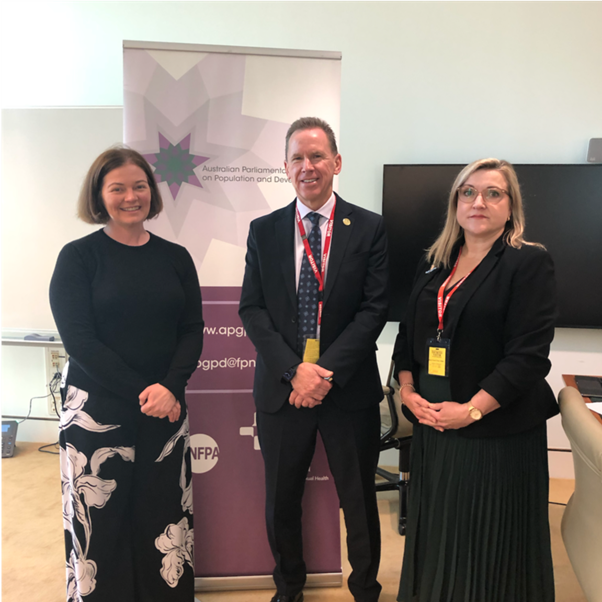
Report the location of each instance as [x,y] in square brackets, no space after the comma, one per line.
[228,479]
[212,122]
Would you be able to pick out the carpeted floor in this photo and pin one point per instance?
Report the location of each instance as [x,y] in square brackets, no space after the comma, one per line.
[32,539]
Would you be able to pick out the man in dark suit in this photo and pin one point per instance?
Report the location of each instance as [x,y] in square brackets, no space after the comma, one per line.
[314,300]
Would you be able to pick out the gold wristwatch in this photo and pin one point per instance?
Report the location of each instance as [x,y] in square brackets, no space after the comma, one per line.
[474,413]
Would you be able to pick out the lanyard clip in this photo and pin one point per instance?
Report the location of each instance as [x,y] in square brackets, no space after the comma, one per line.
[439,332]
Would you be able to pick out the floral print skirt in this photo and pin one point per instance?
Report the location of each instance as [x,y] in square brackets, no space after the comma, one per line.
[127,502]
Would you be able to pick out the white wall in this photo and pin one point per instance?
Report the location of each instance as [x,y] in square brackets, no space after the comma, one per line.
[421,82]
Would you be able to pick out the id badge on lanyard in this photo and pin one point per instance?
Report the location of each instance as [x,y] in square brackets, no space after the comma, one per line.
[311,351]
[437,355]
[438,349]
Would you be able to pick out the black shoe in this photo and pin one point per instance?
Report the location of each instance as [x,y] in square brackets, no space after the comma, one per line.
[285,598]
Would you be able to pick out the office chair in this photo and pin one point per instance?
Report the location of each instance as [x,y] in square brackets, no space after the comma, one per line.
[581,526]
[396,433]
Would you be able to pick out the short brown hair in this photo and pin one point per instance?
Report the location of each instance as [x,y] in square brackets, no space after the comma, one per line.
[311,123]
[90,205]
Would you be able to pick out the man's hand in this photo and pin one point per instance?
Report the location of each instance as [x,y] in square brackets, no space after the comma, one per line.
[302,402]
[310,386]
[159,402]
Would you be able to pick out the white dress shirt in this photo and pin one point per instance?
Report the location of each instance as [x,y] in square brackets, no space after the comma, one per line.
[325,212]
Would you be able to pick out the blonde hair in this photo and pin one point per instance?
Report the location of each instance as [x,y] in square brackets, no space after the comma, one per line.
[439,253]
[90,205]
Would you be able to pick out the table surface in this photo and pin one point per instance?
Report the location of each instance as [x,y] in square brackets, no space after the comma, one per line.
[569,381]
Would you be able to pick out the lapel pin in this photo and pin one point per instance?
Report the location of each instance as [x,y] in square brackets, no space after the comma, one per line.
[347,221]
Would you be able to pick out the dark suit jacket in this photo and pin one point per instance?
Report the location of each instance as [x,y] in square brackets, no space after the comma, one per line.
[500,342]
[353,315]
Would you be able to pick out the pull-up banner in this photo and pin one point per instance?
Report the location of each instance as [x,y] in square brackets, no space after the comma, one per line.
[211,120]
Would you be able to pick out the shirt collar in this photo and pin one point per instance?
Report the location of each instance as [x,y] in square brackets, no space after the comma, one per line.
[325,210]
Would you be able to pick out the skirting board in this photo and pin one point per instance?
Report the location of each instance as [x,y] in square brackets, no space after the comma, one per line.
[216,584]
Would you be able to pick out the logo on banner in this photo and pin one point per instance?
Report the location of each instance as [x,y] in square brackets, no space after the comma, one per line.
[175,164]
[204,453]
[251,431]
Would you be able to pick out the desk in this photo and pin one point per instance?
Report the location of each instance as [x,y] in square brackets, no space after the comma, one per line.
[569,381]
[17,337]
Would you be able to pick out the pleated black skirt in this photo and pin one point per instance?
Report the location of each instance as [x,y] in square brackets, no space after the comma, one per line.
[478,528]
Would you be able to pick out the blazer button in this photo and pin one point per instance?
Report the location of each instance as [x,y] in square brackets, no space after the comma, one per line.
[293,320]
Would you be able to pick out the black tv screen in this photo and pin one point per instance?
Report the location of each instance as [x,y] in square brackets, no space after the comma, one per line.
[563,210]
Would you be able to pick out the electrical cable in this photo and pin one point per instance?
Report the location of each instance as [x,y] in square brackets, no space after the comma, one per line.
[30,402]
[53,386]
[45,451]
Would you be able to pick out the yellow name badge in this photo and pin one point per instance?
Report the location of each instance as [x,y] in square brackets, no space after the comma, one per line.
[312,351]
[437,357]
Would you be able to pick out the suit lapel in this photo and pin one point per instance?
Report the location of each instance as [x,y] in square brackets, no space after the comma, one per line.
[285,236]
[421,281]
[478,277]
[469,287]
[341,233]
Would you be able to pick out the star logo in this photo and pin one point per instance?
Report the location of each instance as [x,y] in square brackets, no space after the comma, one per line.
[175,164]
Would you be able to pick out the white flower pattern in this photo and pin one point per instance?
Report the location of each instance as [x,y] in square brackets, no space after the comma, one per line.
[73,413]
[185,484]
[81,578]
[83,490]
[177,543]
[177,540]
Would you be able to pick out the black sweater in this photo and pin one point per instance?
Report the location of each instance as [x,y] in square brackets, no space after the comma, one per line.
[128,316]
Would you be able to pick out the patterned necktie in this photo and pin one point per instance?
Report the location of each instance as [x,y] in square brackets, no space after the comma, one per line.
[308,292]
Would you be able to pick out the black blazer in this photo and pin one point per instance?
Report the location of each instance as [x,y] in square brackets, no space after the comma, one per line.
[500,341]
[353,315]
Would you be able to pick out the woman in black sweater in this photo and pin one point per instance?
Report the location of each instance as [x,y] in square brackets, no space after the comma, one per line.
[471,358]
[127,305]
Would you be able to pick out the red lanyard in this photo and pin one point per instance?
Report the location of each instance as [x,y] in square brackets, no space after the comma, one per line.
[441,303]
[310,256]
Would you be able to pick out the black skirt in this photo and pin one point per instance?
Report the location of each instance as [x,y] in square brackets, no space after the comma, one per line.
[478,528]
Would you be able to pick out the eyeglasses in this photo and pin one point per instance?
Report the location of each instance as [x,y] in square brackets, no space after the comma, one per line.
[469,194]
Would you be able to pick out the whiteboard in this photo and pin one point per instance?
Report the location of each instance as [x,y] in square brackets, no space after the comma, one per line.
[46,153]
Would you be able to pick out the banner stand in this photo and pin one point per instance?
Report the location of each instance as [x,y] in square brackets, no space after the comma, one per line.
[211,121]
[216,584]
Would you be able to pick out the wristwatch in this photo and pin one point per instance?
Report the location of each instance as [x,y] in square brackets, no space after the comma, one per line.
[474,413]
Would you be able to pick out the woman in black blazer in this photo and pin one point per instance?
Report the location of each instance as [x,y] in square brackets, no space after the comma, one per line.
[471,359]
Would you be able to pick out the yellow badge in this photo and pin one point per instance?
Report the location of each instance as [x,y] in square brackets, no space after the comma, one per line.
[312,351]
[437,361]
[347,221]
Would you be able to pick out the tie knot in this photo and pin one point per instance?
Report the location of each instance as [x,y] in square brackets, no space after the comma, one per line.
[314,218]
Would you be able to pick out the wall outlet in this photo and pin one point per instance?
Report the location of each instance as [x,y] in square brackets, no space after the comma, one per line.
[56,358]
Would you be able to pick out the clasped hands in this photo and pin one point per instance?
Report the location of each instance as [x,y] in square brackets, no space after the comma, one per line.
[440,416]
[159,402]
[310,386]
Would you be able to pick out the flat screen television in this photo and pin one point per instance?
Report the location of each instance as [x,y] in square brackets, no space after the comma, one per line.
[563,211]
